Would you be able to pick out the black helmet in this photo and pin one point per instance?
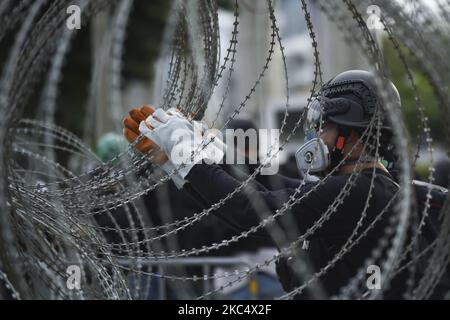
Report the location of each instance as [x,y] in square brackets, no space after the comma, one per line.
[350,99]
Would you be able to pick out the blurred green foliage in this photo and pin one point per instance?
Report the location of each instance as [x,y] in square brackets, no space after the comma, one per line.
[226,4]
[399,77]
[142,44]
[144,35]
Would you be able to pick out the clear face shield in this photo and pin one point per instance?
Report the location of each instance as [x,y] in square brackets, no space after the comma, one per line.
[313,155]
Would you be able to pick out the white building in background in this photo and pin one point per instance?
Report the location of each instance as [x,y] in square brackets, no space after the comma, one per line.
[268,103]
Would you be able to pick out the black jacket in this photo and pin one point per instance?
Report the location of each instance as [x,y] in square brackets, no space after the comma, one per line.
[212,184]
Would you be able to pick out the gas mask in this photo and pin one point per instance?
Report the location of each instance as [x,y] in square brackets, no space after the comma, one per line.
[313,155]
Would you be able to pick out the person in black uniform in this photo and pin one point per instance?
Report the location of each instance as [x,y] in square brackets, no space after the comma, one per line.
[338,117]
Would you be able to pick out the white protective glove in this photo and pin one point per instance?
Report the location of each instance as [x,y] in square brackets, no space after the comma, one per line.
[169,168]
[182,141]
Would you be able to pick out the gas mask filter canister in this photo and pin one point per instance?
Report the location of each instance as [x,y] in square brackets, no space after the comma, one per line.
[313,155]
